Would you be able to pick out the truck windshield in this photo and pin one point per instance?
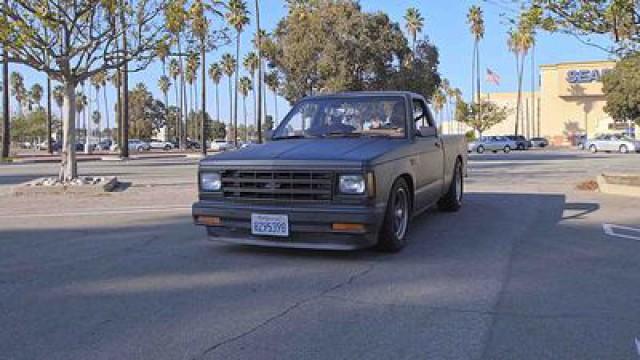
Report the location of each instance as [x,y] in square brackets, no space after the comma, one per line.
[345,117]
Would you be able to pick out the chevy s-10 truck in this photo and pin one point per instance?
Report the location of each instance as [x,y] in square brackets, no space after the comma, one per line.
[340,172]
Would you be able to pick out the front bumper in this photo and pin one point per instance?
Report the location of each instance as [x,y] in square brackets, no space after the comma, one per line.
[310,226]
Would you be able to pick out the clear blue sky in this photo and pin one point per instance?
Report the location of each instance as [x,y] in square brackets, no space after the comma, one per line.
[445,25]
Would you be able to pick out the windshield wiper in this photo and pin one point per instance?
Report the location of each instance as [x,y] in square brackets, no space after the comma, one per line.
[289,137]
[339,134]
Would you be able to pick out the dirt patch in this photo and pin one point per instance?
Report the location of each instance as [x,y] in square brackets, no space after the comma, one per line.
[589,185]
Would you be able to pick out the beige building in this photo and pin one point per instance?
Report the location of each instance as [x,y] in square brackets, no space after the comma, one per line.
[570,103]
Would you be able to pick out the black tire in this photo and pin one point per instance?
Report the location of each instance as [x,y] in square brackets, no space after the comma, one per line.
[624,149]
[167,147]
[480,149]
[507,149]
[593,149]
[452,200]
[393,235]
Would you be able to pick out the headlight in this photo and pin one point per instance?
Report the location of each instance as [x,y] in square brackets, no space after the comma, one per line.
[210,182]
[352,184]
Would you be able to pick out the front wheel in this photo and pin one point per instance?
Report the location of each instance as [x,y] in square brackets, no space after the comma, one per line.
[167,147]
[624,149]
[507,149]
[452,200]
[480,149]
[396,221]
[593,149]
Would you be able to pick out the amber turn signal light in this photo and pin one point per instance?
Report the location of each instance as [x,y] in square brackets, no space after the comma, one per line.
[209,220]
[353,228]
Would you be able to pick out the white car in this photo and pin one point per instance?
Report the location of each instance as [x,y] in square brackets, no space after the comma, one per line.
[221,145]
[161,145]
[613,143]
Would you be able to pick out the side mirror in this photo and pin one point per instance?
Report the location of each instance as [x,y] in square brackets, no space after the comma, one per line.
[427,131]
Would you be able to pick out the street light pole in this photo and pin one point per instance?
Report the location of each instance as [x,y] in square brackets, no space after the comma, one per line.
[6,133]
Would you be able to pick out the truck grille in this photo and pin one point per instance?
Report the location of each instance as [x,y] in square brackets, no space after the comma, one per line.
[278,185]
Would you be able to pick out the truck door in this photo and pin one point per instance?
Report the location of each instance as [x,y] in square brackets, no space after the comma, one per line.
[430,157]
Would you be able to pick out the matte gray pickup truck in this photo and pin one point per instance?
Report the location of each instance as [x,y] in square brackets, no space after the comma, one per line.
[340,172]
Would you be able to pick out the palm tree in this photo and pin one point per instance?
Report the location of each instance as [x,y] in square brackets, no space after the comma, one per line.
[35,94]
[414,24]
[229,68]
[176,20]
[99,81]
[191,75]
[18,90]
[251,63]
[174,72]
[245,87]
[238,18]
[58,97]
[475,19]
[438,101]
[273,82]
[258,45]
[519,42]
[215,74]
[164,84]
[81,102]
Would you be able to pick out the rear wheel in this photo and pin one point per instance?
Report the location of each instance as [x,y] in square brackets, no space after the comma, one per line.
[167,147]
[480,149]
[452,200]
[396,222]
[507,149]
[624,149]
[593,149]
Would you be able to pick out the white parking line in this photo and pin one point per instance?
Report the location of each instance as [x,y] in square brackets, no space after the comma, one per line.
[100,212]
[614,230]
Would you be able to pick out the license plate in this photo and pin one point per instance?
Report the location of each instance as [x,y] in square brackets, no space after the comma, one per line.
[270,225]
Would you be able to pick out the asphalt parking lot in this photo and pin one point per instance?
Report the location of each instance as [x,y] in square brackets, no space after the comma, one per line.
[523,271]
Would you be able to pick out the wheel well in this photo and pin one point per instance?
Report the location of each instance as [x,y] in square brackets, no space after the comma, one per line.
[410,183]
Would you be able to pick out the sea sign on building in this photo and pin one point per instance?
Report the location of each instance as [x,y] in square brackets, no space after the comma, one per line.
[585,76]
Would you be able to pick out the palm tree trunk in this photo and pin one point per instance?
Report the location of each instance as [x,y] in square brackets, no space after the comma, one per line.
[230,103]
[255,103]
[235,100]
[106,106]
[246,129]
[519,99]
[203,122]
[473,71]
[183,95]
[260,75]
[6,132]
[217,102]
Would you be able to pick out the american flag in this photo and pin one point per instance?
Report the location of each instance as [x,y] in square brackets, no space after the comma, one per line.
[493,77]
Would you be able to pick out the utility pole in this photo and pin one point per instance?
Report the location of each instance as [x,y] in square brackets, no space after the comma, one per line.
[6,133]
[260,74]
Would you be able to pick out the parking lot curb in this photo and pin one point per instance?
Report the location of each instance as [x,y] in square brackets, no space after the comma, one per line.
[620,184]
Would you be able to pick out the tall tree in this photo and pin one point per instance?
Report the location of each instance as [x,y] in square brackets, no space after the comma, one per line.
[251,64]
[81,41]
[215,74]
[622,89]
[35,95]
[229,68]
[18,90]
[273,82]
[174,72]
[245,87]
[238,18]
[414,24]
[519,42]
[176,22]
[258,45]
[164,84]
[475,19]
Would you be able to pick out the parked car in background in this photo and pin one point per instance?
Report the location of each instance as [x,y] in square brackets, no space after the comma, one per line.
[159,144]
[138,145]
[539,142]
[192,145]
[221,145]
[521,142]
[104,145]
[613,143]
[581,142]
[492,143]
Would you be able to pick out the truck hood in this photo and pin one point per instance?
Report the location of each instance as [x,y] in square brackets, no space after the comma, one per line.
[344,149]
